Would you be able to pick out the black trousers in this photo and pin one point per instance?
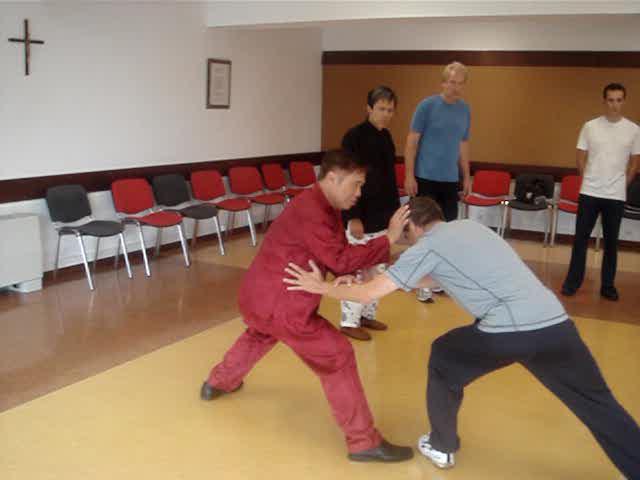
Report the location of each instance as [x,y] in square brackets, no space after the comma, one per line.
[588,210]
[557,357]
[444,193]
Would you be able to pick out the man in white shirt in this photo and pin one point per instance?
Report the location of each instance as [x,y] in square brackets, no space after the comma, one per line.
[607,156]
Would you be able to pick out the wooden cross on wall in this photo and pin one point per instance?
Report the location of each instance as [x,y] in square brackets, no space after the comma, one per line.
[27,45]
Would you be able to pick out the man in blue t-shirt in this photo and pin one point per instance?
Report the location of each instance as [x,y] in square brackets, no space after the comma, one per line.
[518,320]
[437,147]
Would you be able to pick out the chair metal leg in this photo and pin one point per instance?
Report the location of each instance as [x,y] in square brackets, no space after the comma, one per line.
[183,243]
[547,226]
[95,259]
[125,254]
[194,238]
[158,241]
[147,271]
[220,242]
[231,222]
[87,270]
[554,225]
[117,256]
[265,220]
[252,229]
[55,267]
[503,224]
[598,232]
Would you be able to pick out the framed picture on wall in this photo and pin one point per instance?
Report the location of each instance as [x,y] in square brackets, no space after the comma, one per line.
[218,83]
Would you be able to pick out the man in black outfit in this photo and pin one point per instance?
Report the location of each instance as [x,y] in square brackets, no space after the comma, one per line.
[368,219]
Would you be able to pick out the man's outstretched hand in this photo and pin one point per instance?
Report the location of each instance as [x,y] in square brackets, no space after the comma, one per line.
[308,281]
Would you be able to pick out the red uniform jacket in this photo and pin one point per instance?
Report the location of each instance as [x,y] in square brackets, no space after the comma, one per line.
[309,228]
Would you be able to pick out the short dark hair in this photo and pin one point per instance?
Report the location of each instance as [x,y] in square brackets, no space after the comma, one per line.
[340,160]
[381,93]
[612,87]
[424,210]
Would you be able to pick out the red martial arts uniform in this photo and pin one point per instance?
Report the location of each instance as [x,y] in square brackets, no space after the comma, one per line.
[308,229]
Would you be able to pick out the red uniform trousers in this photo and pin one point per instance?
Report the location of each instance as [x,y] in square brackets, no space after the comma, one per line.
[326,351]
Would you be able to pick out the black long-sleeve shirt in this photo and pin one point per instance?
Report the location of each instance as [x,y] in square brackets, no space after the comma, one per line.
[379,197]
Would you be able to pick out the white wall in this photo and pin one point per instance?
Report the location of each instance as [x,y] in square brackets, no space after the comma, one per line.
[121,85]
[568,32]
[114,86]
[276,92]
[243,13]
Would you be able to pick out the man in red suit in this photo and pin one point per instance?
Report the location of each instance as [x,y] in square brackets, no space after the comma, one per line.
[311,228]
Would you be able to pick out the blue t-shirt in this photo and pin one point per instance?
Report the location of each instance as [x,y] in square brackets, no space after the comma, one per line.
[479,270]
[442,127]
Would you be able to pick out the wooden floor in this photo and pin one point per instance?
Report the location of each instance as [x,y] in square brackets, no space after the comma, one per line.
[105,384]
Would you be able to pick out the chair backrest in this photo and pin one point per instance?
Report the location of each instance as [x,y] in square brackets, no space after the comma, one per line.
[245,180]
[570,188]
[633,192]
[170,189]
[400,173]
[302,173]
[491,183]
[68,203]
[273,175]
[132,195]
[207,185]
[524,181]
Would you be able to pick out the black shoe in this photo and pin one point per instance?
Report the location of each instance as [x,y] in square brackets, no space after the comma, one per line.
[567,291]
[610,293]
[385,452]
[207,392]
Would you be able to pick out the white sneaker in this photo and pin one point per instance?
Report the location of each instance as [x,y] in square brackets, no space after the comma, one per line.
[439,459]
[424,295]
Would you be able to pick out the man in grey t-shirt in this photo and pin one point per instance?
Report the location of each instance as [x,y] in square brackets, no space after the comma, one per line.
[518,320]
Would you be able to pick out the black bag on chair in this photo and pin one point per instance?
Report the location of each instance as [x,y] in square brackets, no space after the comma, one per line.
[532,191]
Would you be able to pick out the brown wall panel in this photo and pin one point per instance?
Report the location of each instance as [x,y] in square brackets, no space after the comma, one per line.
[521,115]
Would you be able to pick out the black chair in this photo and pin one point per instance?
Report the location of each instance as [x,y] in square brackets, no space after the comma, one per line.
[523,183]
[172,191]
[631,207]
[68,205]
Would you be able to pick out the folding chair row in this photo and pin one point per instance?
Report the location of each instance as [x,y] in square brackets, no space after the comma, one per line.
[491,188]
[246,184]
[135,205]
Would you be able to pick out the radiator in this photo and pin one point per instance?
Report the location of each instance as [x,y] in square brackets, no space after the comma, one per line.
[20,252]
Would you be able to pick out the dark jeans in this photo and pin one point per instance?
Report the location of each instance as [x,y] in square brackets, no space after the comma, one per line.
[588,210]
[557,357]
[444,193]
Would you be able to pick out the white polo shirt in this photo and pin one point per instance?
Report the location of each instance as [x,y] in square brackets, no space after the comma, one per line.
[609,146]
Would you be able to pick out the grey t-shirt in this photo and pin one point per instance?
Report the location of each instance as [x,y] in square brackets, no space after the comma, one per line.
[483,274]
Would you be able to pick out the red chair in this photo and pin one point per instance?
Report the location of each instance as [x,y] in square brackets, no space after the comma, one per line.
[275,180]
[246,181]
[400,174]
[567,200]
[207,185]
[302,174]
[132,197]
[489,189]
